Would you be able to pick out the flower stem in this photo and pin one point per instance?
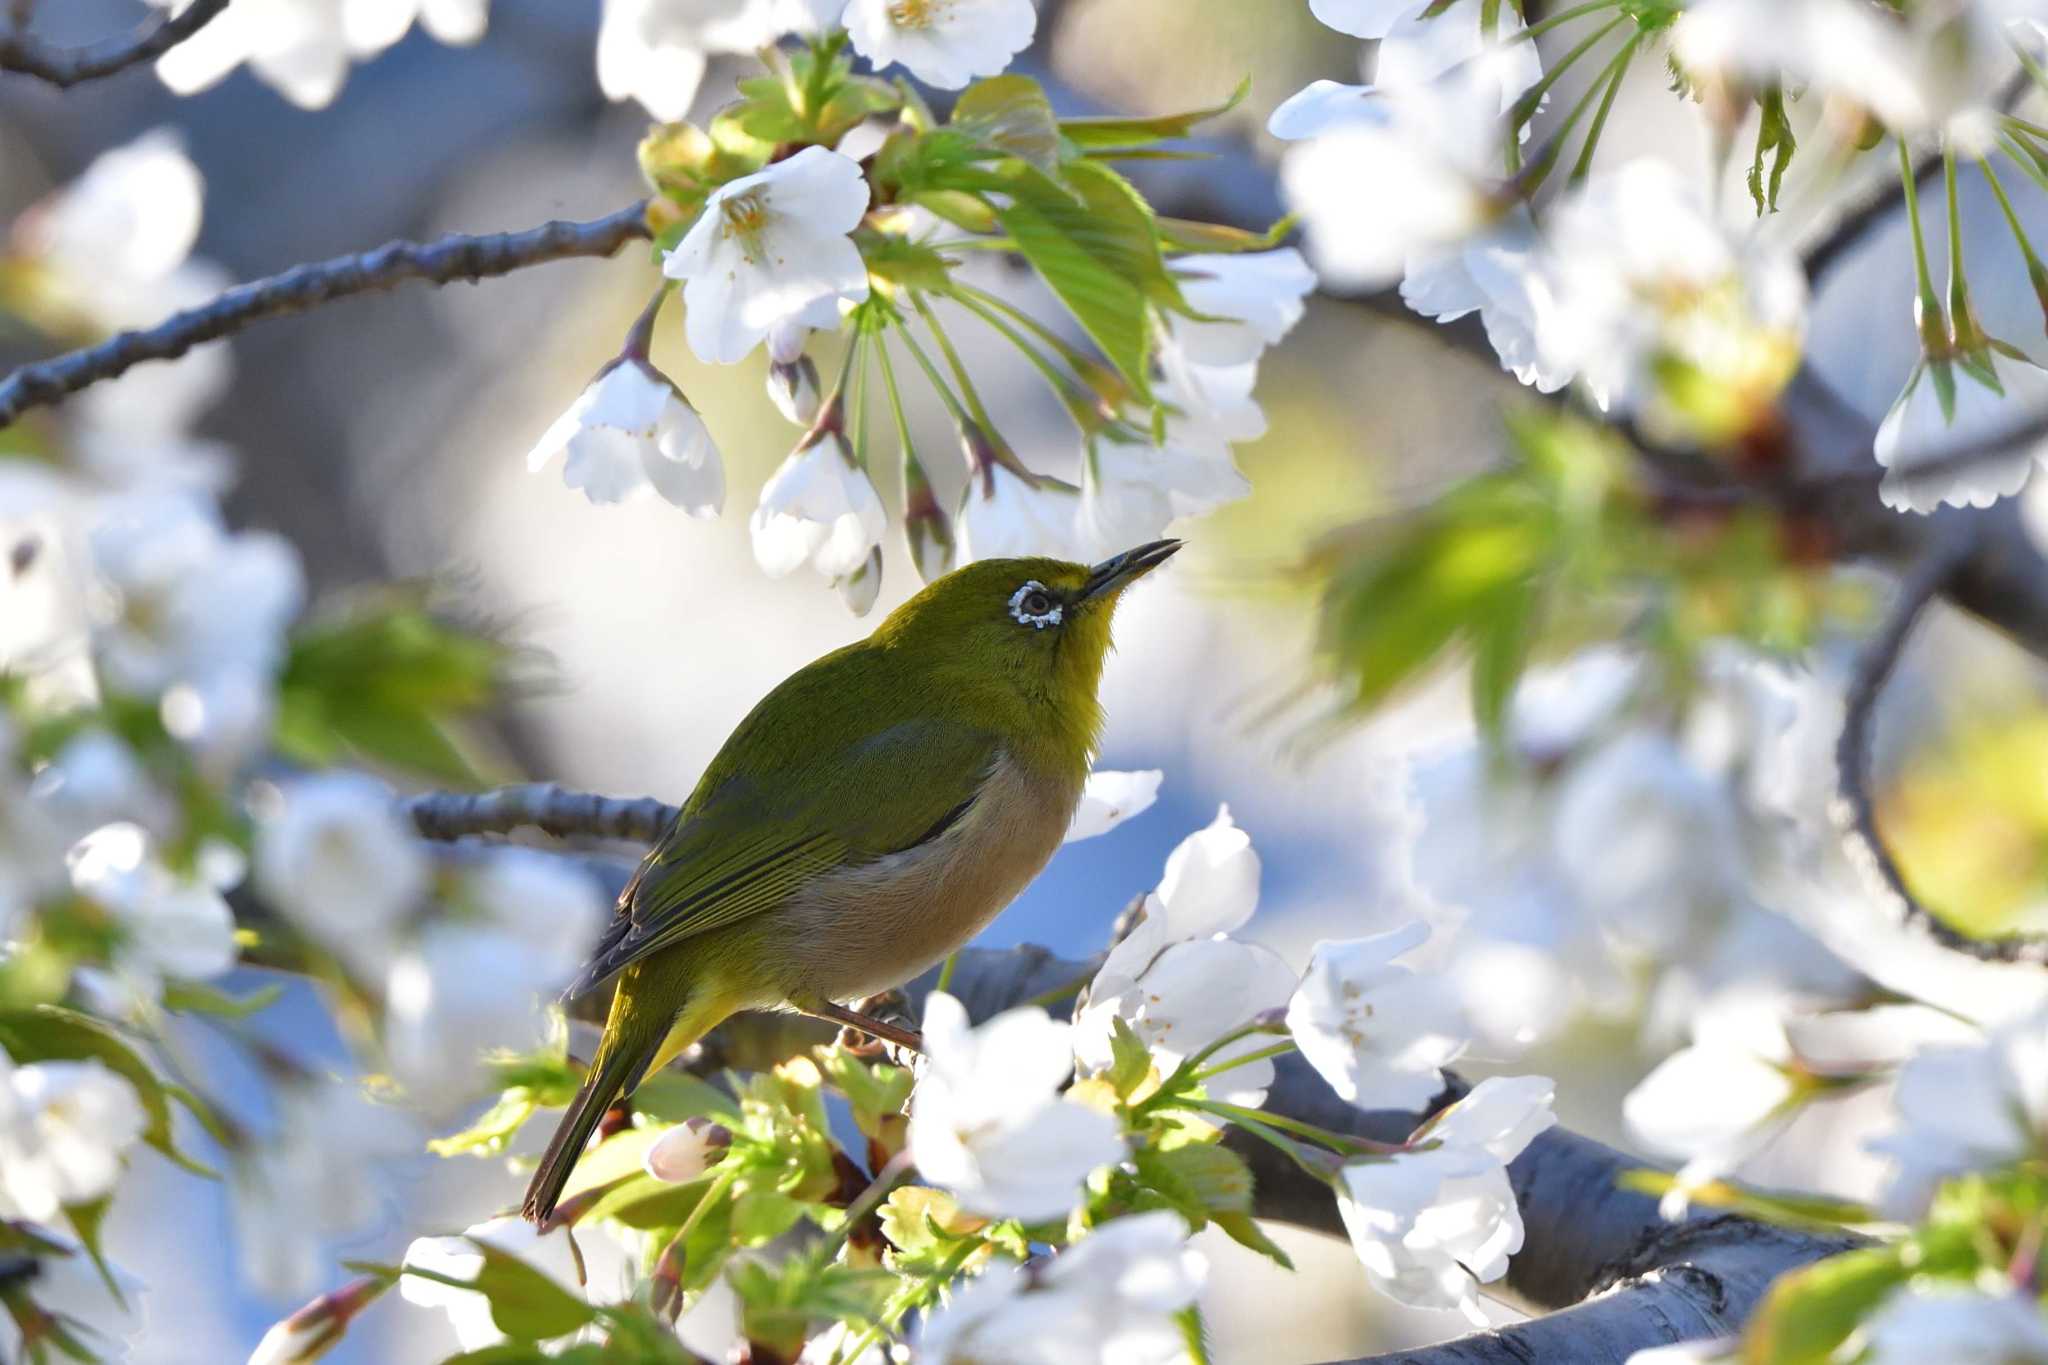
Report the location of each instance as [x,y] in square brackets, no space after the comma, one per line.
[1617,71]
[1962,321]
[1336,1142]
[2037,274]
[888,1178]
[1057,344]
[1264,1054]
[1061,991]
[1525,107]
[1072,393]
[953,362]
[1543,26]
[1928,303]
[1530,179]
[1255,1123]
[916,1296]
[931,373]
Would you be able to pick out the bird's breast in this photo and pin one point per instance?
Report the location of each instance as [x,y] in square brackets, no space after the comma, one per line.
[869,928]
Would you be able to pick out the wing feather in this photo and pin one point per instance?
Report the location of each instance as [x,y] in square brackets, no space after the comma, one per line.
[744,844]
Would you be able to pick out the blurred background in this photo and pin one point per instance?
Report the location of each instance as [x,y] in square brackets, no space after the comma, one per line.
[386,437]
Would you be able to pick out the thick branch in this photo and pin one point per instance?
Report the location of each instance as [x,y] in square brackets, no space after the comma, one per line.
[1854,809]
[305,287]
[544,806]
[65,67]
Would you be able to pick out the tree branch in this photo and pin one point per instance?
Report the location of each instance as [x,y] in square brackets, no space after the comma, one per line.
[305,287]
[65,67]
[545,806]
[1854,809]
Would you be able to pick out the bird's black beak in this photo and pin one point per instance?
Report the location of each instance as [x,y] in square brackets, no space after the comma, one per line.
[1113,574]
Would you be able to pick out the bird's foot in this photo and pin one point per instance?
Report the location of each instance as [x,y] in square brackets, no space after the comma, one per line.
[881,1030]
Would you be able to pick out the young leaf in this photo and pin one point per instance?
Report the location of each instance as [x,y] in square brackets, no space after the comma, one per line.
[1244,1230]
[1810,1312]
[1130,1061]
[86,1220]
[1201,1179]
[197,997]
[1090,134]
[1010,115]
[1774,139]
[1098,250]
[527,1304]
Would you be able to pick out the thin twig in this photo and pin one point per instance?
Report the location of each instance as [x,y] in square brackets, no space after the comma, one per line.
[305,287]
[1855,810]
[65,67]
[543,806]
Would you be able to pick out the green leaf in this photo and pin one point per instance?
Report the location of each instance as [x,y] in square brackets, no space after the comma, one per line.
[526,1303]
[677,1095]
[1200,1179]
[1244,1230]
[87,1222]
[1502,636]
[1011,116]
[1098,249]
[197,997]
[1790,1210]
[641,1201]
[1130,1061]
[924,1227]
[622,1154]
[53,1033]
[1810,1312]
[493,1130]
[958,207]
[386,681]
[876,1094]
[1096,134]
[911,265]
[1774,140]
[1184,234]
[763,1215]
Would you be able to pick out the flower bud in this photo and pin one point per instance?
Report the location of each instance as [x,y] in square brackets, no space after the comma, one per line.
[687,1150]
[312,1331]
[925,524]
[860,588]
[793,389]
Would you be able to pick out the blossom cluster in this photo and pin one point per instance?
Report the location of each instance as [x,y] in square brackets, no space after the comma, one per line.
[168,708]
[1630,283]
[1099,1136]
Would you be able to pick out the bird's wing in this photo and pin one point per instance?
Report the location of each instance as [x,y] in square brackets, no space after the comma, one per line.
[743,845]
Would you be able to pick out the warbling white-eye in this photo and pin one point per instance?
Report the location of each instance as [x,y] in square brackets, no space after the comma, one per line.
[866,819]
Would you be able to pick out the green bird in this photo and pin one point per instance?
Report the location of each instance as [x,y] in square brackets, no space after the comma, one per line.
[867,818]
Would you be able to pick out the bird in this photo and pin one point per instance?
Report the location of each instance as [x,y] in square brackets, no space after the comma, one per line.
[866,819]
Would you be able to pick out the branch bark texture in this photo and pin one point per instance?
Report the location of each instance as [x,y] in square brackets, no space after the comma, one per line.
[306,287]
[62,67]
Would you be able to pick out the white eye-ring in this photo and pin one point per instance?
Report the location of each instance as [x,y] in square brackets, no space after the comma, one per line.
[1033,606]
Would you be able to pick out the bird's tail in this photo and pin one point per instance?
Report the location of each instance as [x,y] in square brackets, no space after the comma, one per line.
[640,1035]
[611,1073]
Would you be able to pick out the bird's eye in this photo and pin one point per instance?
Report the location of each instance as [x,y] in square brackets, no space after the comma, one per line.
[1033,605]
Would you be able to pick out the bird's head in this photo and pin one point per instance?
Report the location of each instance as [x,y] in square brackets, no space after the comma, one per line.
[1036,630]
